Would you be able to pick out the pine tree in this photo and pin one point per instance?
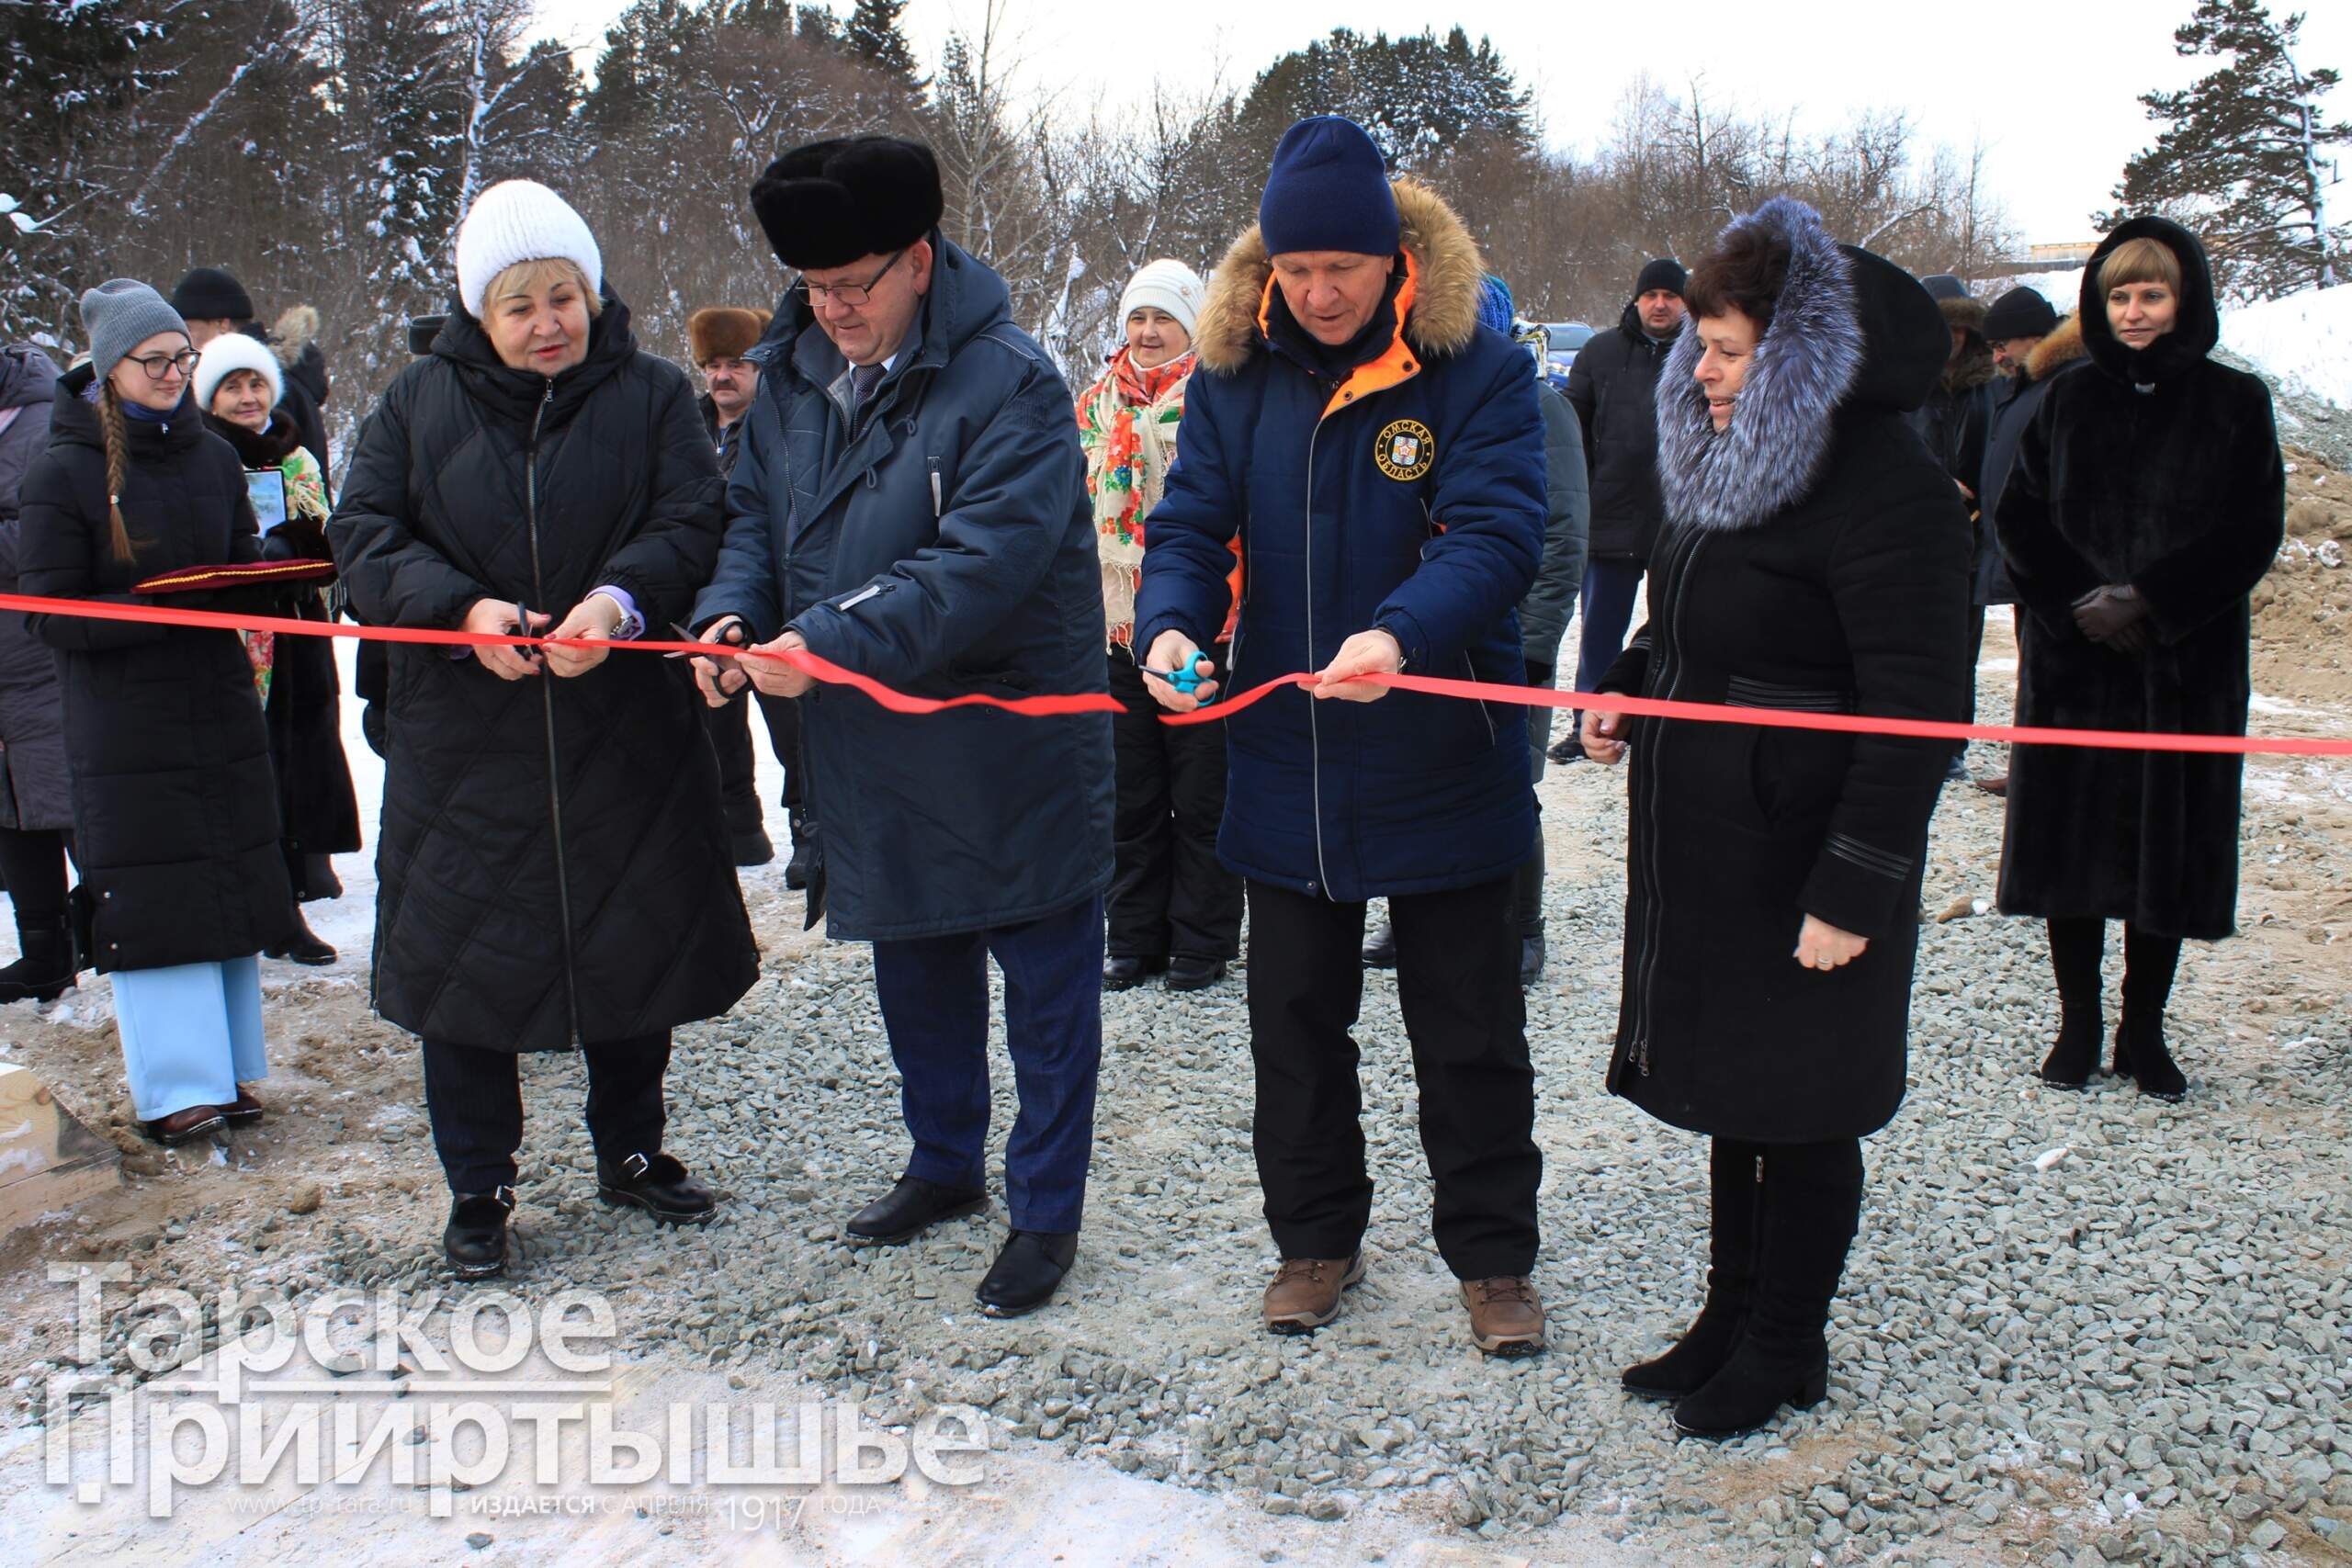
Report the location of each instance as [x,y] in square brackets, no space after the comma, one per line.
[875,37]
[2241,155]
[1422,99]
[64,68]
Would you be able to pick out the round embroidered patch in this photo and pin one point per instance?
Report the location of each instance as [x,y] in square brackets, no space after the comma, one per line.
[1405,450]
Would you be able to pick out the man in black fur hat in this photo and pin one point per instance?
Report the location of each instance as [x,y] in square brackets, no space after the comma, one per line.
[910,504]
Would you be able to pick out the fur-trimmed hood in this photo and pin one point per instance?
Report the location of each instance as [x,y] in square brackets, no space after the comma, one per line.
[2062,347]
[1447,267]
[1850,330]
[294,330]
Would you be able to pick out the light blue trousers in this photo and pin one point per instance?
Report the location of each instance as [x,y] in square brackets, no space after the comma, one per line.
[191,1033]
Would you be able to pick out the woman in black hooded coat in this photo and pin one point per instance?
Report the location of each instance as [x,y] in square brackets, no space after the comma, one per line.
[174,810]
[2147,501]
[1815,557]
[553,859]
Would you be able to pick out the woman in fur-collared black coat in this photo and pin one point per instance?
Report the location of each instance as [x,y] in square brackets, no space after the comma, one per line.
[2147,501]
[1815,557]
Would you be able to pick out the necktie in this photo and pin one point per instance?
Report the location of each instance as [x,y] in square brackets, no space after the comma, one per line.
[862,379]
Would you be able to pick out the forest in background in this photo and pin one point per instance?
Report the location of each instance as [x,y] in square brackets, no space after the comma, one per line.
[323,151]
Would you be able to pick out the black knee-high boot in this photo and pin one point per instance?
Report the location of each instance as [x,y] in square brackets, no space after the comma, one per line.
[1735,1191]
[2149,964]
[1813,1203]
[2076,948]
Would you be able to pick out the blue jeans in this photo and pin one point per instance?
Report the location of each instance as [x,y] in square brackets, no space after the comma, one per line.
[1608,605]
[191,1033]
[934,997]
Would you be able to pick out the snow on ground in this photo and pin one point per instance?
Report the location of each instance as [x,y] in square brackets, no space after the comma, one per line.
[348,923]
[2304,341]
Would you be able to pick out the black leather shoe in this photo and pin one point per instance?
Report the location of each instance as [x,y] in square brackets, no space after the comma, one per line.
[908,1209]
[657,1184]
[1026,1273]
[1531,960]
[475,1237]
[1124,971]
[1565,751]
[1194,974]
[1380,947]
[307,947]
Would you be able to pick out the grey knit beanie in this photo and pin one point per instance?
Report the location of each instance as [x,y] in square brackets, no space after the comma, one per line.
[121,313]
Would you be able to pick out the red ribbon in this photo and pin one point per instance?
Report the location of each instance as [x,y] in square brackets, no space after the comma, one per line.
[1103,702]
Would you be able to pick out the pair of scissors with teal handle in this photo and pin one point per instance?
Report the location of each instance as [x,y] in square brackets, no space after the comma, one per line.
[1188,679]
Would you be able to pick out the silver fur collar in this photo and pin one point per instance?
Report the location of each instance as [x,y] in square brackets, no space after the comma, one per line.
[1770,454]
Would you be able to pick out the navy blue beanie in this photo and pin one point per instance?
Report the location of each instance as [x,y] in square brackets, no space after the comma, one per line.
[1496,307]
[1328,191]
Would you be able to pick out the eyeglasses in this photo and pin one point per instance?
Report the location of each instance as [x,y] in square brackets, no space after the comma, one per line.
[159,366]
[852,294]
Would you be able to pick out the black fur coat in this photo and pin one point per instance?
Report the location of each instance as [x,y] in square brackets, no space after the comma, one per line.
[2159,468]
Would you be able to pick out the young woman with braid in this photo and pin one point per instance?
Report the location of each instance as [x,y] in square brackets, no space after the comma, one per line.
[175,816]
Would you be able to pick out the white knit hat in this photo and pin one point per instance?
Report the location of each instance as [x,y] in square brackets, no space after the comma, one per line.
[520,220]
[227,354]
[1169,286]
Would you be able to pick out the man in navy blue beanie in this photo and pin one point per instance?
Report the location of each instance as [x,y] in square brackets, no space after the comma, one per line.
[1366,461]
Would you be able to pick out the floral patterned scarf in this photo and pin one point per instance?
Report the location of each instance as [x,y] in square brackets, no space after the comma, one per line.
[1126,424]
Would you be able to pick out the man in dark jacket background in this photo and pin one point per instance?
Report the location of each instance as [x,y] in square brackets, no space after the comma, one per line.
[1377,457]
[211,300]
[1613,388]
[910,503]
[2029,347]
[718,337]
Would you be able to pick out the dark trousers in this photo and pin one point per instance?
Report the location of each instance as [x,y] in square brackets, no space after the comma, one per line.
[475,1098]
[1169,894]
[730,736]
[1607,605]
[934,997]
[1457,981]
[33,860]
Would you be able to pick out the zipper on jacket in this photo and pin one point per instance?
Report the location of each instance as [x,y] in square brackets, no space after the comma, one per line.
[1313,731]
[1684,553]
[546,703]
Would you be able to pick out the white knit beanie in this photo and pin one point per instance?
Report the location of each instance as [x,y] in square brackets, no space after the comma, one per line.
[227,354]
[1165,284]
[520,220]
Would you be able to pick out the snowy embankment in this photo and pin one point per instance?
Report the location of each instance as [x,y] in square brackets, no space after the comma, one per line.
[2302,342]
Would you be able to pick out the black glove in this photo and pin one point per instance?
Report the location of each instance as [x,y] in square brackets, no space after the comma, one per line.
[1541,674]
[2106,612]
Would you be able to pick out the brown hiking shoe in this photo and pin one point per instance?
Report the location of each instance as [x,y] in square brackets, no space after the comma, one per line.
[1506,1316]
[1305,1291]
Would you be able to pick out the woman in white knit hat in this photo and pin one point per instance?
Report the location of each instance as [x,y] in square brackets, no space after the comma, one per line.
[1172,906]
[553,859]
[240,388]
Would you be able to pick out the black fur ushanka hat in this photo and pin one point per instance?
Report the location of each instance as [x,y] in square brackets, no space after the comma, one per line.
[830,202]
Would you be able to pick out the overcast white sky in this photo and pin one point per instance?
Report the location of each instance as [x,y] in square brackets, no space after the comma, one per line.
[2052,84]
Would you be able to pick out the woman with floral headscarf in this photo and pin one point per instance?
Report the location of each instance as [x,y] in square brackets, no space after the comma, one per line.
[1173,907]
